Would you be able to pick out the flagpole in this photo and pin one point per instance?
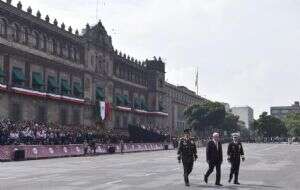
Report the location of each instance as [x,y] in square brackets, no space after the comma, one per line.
[197,82]
[97,9]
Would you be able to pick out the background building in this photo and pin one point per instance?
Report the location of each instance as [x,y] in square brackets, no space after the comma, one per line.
[245,115]
[178,98]
[227,107]
[282,111]
[49,73]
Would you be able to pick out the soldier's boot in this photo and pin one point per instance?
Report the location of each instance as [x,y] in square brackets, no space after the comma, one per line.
[236,178]
[186,180]
[230,178]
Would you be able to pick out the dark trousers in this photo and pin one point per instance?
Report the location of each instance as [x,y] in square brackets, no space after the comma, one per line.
[235,167]
[218,171]
[187,169]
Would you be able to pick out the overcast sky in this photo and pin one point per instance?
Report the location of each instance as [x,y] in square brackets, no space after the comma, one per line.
[247,51]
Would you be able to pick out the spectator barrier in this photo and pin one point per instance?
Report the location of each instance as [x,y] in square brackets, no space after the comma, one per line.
[7,152]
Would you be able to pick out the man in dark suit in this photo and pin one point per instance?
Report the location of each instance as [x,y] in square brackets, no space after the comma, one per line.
[187,153]
[214,158]
[235,152]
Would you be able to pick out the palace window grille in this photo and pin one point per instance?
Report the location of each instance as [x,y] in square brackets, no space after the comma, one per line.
[77,90]
[2,74]
[18,77]
[65,87]
[37,81]
[52,86]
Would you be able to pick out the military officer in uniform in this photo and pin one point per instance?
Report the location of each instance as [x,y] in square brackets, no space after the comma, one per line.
[235,152]
[187,153]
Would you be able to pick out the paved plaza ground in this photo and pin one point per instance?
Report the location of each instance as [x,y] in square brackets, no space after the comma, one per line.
[267,166]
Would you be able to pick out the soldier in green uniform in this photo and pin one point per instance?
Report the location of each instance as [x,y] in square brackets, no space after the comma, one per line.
[235,152]
[187,153]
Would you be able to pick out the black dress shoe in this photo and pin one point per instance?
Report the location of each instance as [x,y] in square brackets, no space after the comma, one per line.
[219,184]
[205,179]
[237,183]
[187,184]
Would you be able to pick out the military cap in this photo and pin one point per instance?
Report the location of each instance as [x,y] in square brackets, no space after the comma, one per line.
[216,134]
[188,130]
[235,135]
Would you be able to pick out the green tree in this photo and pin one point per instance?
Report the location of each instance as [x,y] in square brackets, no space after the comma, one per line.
[292,122]
[230,123]
[245,133]
[205,116]
[269,126]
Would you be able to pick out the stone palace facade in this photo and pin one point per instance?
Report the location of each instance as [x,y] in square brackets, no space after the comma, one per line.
[50,73]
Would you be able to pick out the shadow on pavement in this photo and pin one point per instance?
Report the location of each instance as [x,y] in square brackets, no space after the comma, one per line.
[242,186]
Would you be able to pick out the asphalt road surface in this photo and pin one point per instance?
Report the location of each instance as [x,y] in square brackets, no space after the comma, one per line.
[267,166]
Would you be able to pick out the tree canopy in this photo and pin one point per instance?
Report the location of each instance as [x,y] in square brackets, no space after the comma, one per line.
[205,116]
[230,123]
[269,126]
[292,122]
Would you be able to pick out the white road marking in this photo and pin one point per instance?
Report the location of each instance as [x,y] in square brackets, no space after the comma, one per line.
[148,174]
[113,182]
[5,178]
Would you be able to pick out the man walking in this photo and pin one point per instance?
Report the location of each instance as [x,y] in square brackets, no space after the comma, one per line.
[235,152]
[214,158]
[187,153]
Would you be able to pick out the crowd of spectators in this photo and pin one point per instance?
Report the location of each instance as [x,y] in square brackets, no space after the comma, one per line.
[33,133]
[159,130]
[140,134]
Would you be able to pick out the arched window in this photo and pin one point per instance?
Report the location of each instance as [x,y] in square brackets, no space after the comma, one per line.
[54,47]
[24,35]
[49,45]
[36,40]
[44,42]
[71,52]
[69,49]
[3,28]
[117,71]
[15,32]
[75,54]
[60,49]
[64,50]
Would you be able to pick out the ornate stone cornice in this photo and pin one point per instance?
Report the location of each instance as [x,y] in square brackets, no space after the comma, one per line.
[5,7]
